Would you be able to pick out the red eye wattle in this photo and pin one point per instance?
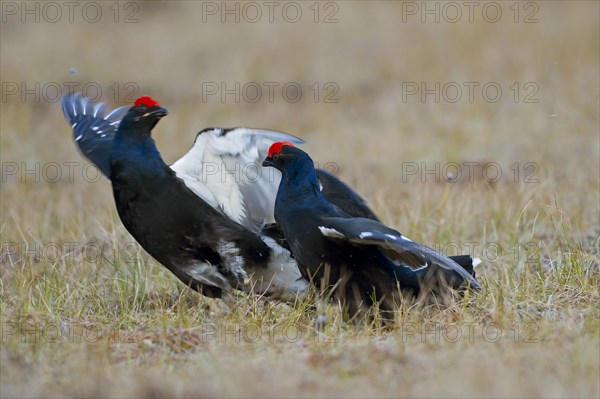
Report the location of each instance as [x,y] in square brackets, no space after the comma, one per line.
[276,147]
[146,101]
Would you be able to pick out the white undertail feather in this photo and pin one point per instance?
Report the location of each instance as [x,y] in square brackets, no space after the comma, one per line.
[203,172]
[207,274]
[232,260]
[281,278]
[225,170]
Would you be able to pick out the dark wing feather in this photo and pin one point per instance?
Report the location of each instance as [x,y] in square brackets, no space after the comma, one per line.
[341,195]
[93,129]
[361,231]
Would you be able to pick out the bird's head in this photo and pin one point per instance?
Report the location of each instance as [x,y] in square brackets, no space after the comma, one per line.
[280,154]
[293,163]
[144,115]
[288,159]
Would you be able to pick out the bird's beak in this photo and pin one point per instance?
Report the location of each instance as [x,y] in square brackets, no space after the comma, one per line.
[267,162]
[160,112]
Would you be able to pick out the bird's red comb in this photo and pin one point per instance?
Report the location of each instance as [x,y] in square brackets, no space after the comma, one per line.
[276,147]
[146,101]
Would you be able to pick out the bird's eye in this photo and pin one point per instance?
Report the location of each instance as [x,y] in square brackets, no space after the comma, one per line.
[275,157]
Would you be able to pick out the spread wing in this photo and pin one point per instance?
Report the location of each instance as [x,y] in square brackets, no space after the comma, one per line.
[93,128]
[225,164]
[401,250]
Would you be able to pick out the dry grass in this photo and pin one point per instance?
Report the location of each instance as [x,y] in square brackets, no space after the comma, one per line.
[84,312]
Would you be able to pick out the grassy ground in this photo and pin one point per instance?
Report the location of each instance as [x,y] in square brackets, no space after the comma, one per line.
[85,312]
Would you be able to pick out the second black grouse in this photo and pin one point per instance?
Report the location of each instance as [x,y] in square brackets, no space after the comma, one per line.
[360,261]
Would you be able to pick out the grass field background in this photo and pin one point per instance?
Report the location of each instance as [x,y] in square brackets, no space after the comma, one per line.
[86,312]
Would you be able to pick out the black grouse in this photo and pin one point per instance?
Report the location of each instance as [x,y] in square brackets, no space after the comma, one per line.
[358,260]
[205,250]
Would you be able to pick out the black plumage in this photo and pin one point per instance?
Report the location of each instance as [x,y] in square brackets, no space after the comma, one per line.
[202,248]
[358,260]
